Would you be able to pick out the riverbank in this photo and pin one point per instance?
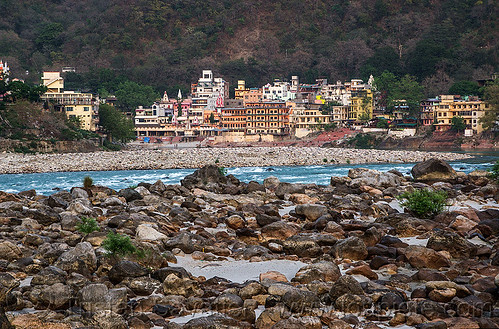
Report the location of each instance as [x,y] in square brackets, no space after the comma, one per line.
[11,163]
[216,252]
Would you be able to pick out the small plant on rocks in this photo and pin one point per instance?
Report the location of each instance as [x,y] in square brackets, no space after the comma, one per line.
[87,225]
[423,202]
[494,171]
[118,245]
[222,171]
[88,182]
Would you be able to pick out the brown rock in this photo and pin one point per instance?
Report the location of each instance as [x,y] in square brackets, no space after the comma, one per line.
[461,323]
[364,270]
[420,257]
[442,296]
[273,275]
[235,222]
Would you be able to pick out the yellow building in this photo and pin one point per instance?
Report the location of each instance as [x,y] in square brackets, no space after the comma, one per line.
[270,118]
[76,105]
[361,105]
[471,109]
[240,90]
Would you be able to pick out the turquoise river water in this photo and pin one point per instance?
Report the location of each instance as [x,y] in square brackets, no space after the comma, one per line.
[48,183]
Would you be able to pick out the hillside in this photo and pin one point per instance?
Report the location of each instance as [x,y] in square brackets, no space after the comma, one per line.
[166,44]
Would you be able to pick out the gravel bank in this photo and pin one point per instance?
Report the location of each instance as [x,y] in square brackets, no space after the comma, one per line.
[11,163]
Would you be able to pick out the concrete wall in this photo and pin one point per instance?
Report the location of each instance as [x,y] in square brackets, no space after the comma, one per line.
[240,137]
[402,133]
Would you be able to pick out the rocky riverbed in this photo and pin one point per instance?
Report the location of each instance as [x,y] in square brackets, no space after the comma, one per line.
[11,163]
[219,253]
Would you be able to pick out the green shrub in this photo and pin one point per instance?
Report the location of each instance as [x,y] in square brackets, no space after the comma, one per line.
[222,171]
[88,182]
[494,171]
[324,160]
[423,202]
[87,225]
[118,245]
[111,146]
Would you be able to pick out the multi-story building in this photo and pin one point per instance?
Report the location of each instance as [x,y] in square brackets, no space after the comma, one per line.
[253,95]
[361,105]
[4,69]
[471,109]
[83,106]
[270,118]
[427,111]
[240,90]
[278,91]
[306,116]
[207,94]
[233,119]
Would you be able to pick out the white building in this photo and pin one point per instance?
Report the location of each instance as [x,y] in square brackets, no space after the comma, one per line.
[280,90]
[207,94]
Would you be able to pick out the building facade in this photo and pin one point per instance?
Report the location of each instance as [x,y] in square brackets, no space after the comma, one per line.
[83,106]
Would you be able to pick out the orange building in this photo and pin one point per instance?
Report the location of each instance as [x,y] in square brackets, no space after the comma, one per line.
[267,118]
[252,95]
[234,119]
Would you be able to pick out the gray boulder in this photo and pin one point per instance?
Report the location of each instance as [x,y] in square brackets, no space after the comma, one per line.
[433,170]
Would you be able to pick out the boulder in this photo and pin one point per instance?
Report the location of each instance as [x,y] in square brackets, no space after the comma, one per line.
[271,316]
[455,244]
[433,170]
[421,257]
[374,178]
[300,300]
[187,242]
[345,284]
[323,271]
[125,269]
[352,248]
[216,321]
[227,301]
[56,296]
[235,222]
[284,189]
[311,211]
[109,320]
[173,285]
[279,230]
[80,259]
[208,178]
[130,194]
[146,232]
[9,251]
[351,303]
[97,297]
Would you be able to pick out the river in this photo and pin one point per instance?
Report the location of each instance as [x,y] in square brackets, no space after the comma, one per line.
[48,183]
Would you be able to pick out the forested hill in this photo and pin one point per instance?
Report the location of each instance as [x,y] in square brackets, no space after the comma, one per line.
[165,43]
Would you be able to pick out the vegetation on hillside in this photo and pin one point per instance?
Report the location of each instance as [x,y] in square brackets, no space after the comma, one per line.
[166,44]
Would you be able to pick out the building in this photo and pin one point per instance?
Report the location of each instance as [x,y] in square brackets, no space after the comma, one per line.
[307,116]
[207,94]
[83,106]
[427,111]
[253,95]
[240,90]
[233,119]
[471,109]
[267,118]
[4,70]
[278,91]
[361,105]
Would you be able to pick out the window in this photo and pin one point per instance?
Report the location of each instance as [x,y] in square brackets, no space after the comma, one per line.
[69,108]
[86,108]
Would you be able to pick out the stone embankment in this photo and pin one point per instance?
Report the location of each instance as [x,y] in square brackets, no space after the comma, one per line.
[199,157]
[219,253]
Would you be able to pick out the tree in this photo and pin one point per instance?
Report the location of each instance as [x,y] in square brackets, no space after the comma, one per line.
[457,124]
[465,88]
[212,118]
[366,106]
[392,90]
[18,90]
[131,95]
[491,96]
[116,124]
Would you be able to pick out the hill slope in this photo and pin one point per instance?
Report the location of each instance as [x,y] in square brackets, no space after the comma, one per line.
[165,43]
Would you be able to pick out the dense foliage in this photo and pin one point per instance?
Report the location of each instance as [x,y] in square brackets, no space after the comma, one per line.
[423,202]
[166,44]
[116,124]
[118,245]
